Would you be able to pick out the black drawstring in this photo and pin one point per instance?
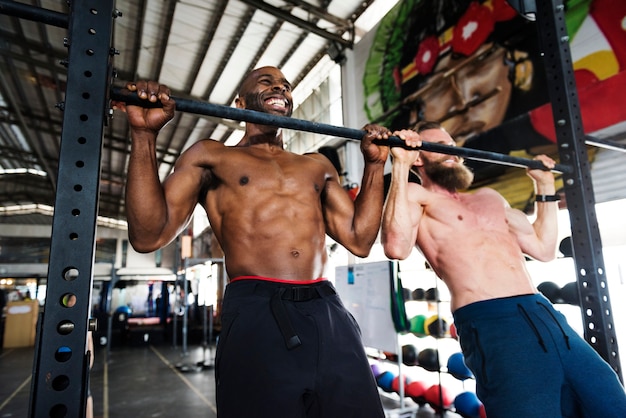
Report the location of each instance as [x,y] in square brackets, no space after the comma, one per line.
[298,293]
[532,325]
[565,336]
[282,319]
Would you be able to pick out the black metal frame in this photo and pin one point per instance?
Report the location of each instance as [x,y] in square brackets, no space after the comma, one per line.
[61,365]
[599,329]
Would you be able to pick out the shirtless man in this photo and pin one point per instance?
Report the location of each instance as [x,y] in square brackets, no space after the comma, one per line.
[527,360]
[288,347]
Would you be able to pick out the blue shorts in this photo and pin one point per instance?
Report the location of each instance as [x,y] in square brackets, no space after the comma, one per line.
[528,362]
[291,350]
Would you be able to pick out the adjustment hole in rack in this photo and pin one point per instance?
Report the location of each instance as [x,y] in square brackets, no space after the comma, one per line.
[68,300]
[60,383]
[65,327]
[70,274]
[58,411]
[63,354]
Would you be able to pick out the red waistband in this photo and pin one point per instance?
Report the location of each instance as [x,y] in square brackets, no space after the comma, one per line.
[275,280]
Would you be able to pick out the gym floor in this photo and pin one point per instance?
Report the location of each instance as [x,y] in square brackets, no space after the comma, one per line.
[136,381]
[148,380]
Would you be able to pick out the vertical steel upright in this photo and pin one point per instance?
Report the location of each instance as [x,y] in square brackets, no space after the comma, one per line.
[599,329]
[61,366]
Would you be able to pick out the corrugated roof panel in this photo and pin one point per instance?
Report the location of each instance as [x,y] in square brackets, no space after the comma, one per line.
[234,138]
[275,51]
[125,30]
[30,30]
[371,16]
[343,9]
[608,175]
[303,55]
[227,28]
[185,126]
[253,38]
[221,130]
[196,134]
[188,28]
[150,38]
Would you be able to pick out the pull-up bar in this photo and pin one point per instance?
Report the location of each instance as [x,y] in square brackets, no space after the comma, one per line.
[245,115]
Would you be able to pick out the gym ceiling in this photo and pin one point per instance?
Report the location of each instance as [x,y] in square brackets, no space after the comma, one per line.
[200,49]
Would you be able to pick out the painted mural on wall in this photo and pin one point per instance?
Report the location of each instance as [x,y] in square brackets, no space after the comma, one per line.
[475,66]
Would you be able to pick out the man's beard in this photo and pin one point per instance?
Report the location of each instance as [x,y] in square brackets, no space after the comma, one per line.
[456,177]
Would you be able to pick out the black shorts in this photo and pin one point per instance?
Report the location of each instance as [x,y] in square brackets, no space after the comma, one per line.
[291,350]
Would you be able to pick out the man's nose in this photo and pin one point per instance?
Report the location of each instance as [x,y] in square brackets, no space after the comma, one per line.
[279,87]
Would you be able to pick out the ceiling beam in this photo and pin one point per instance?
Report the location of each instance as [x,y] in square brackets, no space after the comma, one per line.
[308,26]
[13,102]
[322,14]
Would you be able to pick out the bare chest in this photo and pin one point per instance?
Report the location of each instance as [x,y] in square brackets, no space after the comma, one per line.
[257,188]
[474,212]
[484,213]
[259,171]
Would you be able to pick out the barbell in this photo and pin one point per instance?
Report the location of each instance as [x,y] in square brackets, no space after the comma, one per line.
[252,116]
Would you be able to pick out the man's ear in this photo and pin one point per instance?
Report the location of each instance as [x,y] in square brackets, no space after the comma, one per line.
[240,102]
[418,161]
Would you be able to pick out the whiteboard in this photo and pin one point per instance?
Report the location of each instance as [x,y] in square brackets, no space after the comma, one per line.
[366,293]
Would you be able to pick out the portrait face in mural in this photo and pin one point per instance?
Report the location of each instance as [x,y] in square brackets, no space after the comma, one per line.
[470,95]
[465,64]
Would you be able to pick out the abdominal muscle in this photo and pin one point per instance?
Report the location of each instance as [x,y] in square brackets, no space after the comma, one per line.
[285,243]
[485,264]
